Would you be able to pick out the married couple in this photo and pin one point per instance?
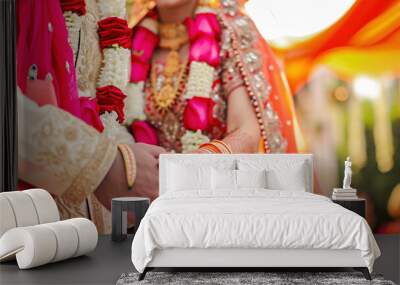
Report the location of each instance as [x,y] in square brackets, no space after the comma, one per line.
[202,80]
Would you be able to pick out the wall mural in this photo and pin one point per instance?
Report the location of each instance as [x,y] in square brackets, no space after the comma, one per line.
[105,87]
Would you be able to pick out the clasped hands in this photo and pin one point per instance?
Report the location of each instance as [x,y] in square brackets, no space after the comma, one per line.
[115,184]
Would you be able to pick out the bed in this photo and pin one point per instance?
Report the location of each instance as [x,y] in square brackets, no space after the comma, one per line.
[246,211]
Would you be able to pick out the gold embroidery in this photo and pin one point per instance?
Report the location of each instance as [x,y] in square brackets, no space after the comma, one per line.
[70,134]
[88,179]
[97,215]
[62,152]
[68,211]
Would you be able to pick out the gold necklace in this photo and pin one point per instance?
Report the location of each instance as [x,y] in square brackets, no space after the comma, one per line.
[172,36]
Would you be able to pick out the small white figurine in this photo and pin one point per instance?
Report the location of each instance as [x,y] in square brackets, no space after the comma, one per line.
[347,174]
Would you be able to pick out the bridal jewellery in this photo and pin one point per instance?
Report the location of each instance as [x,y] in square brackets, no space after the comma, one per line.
[172,37]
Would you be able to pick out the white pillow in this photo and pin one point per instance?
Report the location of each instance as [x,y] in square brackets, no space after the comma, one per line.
[292,179]
[202,160]
[182,177]
[223,179]
[282,174]
[251,178]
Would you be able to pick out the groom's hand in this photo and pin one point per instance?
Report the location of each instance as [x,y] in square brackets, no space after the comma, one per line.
[146,182]
[115,183]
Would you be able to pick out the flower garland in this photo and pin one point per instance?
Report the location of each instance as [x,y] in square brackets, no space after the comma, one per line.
[204,35]
[144,42]
[192,140]
[73,10]
[114,38]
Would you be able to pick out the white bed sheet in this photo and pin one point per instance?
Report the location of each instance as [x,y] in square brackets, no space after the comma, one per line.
[252,218]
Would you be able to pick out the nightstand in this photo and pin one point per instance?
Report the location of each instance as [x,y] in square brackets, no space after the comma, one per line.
[119,211]
[357,205]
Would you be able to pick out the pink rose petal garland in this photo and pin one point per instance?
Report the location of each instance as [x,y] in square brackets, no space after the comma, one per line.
[144,42]
[143,45]
[204,34]
[198,113]
[144,132]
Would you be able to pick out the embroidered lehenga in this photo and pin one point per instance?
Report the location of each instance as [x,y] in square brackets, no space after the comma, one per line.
[69,134]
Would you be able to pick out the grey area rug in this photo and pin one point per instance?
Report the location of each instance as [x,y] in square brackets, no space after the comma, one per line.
[233,278]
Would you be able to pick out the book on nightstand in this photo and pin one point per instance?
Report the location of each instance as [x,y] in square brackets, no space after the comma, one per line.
[344,194]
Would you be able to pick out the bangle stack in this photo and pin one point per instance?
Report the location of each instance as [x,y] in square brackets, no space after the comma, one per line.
[216,146]
[130,163]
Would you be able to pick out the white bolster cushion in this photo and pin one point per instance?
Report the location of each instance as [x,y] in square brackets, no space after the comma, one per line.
[23,208]
[87,235]
[45,205]
[26,208]
[40,244]
[33,246]
[7,218]
[66,238]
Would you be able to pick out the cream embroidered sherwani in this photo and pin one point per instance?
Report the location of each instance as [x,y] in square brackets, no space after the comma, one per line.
[60,153]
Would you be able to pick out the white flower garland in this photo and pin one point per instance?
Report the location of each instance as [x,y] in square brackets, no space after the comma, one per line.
[135,102]
[110,128]
[112,8]
[113,130]
[191,141]
[73,23]
[200,80]
[115,69]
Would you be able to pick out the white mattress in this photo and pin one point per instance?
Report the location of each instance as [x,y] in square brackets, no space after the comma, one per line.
[253,218]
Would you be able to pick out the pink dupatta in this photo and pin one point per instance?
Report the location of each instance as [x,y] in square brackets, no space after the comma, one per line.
[45,63]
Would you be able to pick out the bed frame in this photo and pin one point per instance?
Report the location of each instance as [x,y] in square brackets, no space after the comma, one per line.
[246,259]
[249,259]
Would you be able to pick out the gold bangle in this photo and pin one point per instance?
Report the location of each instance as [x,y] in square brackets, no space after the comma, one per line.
[225,148]
[130,163]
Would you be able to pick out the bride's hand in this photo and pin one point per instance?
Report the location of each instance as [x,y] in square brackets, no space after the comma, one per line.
[115,183]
